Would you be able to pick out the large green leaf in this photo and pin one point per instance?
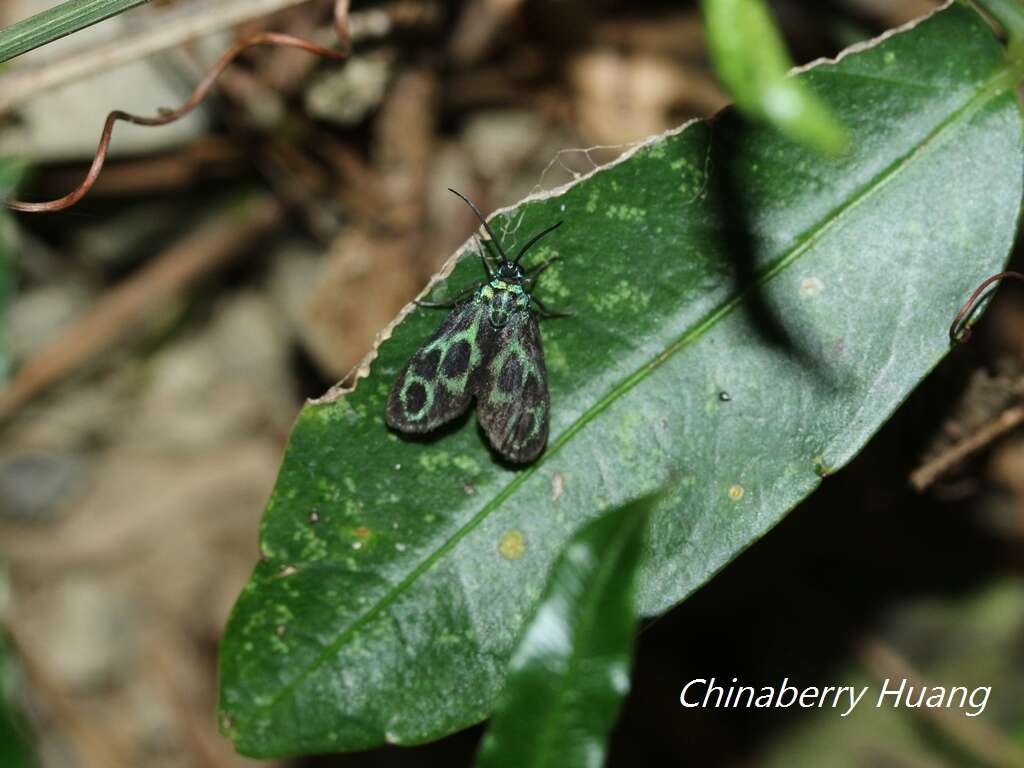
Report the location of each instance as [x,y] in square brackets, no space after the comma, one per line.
[570,670]
[748,314]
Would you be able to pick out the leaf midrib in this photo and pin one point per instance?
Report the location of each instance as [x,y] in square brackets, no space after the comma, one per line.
[990,89]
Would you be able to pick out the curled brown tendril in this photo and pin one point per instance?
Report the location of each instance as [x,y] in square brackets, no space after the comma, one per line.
[169,116]
[960,329]
[341,28]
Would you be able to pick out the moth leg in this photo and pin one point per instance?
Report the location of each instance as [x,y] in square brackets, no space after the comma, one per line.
[455,300]
[545,312]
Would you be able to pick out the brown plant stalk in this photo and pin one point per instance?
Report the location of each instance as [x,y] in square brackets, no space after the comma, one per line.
[960,328]
[169,116]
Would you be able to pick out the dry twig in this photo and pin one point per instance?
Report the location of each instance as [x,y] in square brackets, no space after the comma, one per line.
[974,735]
[172,27]
[932,470]
[264,38]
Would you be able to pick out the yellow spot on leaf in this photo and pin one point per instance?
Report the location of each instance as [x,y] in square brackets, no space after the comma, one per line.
[736,492]
[512,545]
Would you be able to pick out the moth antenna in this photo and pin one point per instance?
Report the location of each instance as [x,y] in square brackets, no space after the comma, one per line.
[533,241]
[483,221]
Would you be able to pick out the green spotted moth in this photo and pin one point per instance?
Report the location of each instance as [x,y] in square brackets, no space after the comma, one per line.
[489,349]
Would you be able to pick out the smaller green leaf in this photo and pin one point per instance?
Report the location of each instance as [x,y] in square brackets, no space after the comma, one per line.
[570,670]
[14,749]
[1010,15]
[751,60]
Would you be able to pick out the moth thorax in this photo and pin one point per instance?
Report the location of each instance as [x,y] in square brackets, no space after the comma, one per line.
[501,307]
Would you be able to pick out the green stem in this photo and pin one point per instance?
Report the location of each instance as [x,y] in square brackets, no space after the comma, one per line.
[1010,15]
[57,22]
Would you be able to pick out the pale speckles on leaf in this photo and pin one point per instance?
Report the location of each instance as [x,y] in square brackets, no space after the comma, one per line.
[281,630]
[557,486]
[736,492]
[693,179]
[469,489]
[551,285]
[656,151]
[282,613]
[315,549]
[466,464]
[623,294]
[811,287]
[555,358]
[335,412]
[625,212]
[432,461]
[512,545]
[592,201]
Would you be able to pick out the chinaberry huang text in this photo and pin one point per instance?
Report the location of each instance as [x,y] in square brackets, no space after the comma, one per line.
[712,693]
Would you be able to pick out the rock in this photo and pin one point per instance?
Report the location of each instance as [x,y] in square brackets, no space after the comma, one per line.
[229,381]
[88,635]
[37,487]
[38,316]
[500,141]
[345,95]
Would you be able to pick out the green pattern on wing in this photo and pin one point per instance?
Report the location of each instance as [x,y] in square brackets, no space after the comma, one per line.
[436,384]
[513,398]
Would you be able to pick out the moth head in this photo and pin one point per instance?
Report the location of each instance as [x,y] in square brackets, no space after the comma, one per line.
[510,271]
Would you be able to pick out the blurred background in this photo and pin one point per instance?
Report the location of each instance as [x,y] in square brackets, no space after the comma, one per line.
[165,331]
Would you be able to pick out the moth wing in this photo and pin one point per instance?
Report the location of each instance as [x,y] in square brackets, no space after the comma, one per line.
[512,401]
[438,382]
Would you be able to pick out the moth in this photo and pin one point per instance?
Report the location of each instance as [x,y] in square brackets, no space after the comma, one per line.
[488,348]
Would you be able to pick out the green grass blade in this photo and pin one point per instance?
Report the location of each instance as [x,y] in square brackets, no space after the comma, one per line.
[55,23]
